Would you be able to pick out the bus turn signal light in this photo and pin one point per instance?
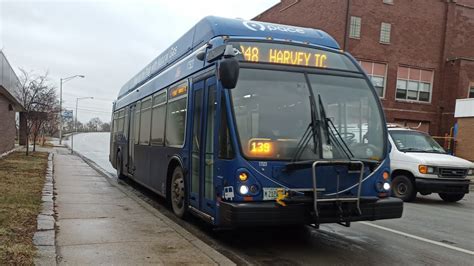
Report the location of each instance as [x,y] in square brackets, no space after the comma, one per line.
[243,176]
[385,175]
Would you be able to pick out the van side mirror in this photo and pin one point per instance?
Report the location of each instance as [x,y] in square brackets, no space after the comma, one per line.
[229,68]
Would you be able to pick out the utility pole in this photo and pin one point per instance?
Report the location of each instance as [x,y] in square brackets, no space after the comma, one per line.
[75,122]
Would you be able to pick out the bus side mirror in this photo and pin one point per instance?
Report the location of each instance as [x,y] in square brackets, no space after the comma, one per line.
[229,69]
[229,72]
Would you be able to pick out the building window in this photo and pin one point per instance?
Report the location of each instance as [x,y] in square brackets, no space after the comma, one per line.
[471,90]
[377,73]
[354,31]
[385,29]
[414,84]
[390,2]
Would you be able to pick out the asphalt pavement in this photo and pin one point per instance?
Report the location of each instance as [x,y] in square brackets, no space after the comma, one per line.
[430,231]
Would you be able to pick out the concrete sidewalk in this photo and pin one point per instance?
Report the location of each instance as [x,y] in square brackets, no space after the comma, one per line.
[100,224]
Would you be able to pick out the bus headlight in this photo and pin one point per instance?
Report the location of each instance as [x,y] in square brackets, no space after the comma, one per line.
[382,187]
[244,189]
[470,172]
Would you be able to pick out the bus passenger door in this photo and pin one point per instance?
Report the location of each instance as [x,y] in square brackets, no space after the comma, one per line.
[208,197]
[131,140]
[196,154]
[202,152]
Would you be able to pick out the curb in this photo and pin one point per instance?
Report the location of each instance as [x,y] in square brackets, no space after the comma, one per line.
[45,237]
[10,151]
[217,257]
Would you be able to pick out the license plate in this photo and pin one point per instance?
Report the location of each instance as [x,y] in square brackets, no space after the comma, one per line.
[270,193]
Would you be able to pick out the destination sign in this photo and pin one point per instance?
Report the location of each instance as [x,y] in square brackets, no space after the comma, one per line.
[260,52]
[177,91]
[261,147]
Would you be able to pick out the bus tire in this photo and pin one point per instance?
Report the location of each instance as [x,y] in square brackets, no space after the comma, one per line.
[119,165]
[403,187]
[451,197]
[177,188]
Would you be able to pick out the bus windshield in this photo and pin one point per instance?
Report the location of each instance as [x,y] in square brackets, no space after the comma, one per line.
[273,110]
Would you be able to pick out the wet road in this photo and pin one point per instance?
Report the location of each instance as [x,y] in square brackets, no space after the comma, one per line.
[430,231]
[94,146]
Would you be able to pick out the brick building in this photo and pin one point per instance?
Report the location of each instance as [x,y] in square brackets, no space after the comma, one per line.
[464,114]
[9,105]
[418,53]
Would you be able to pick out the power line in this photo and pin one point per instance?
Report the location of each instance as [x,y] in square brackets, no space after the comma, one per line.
[95,98]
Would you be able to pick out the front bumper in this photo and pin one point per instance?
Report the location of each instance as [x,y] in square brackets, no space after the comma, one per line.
[445,185]
[270,213]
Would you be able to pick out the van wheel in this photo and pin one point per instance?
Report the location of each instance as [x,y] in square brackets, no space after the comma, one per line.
[119,166]
[178,193]
[403,188]
[451,197]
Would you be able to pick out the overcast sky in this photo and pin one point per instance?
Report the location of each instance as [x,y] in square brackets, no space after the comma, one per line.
[107,41]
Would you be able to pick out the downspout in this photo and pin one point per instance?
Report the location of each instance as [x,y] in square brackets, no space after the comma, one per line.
[346,31]
[442,63]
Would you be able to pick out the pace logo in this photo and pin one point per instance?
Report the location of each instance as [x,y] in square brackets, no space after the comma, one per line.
[256,26]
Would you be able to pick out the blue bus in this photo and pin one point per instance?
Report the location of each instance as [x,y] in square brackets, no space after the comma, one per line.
[246,123]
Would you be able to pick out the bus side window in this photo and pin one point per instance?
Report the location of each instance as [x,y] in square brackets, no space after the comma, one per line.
[145,122]
[136,129]
[158,119]
[226,150]
[125,124]
[114,128]
[120,121]
[176,115]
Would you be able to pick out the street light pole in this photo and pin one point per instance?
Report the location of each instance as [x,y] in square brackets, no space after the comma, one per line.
[61,81]
[75,122]
[60,111]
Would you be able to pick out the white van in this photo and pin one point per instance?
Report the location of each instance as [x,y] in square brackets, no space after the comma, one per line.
[420,164]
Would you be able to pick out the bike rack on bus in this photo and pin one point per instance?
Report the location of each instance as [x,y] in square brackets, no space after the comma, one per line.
[337,199]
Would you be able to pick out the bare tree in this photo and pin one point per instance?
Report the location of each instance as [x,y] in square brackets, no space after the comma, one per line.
[95,124]
[80,126]
[47,115]
[51,125]
[38,99]
[106,127]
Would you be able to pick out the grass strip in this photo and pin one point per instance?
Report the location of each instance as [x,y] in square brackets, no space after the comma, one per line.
[21,183]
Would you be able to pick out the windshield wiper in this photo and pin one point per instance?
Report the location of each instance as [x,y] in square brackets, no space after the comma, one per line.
[413,150]
[435,151]
[310,133]
[330,128]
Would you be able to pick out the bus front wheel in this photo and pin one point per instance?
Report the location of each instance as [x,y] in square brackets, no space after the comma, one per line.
[178,193]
